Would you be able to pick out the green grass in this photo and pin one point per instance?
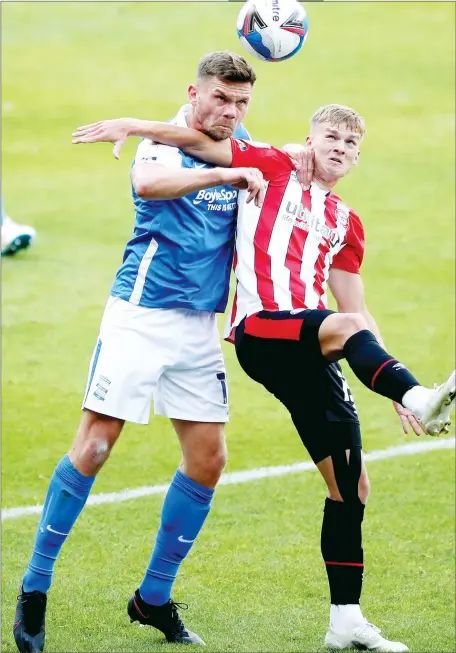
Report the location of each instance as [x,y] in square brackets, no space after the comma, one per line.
[254,580]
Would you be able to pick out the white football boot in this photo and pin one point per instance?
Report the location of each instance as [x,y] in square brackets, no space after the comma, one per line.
[16,236]
[436,414]
[432,408]
[361,636]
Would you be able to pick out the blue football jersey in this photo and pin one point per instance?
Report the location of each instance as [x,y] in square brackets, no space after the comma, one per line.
[181,251]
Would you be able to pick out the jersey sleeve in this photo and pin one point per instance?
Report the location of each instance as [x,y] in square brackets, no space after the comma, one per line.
[350,257]
[150,152]
[268,159]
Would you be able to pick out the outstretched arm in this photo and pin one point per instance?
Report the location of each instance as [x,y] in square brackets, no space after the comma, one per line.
[154,182]
[190,140]
[348,291]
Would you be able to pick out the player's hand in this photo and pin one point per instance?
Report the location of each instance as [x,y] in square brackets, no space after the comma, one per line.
[106,131]
[304,159]
[250,179]
[407,418]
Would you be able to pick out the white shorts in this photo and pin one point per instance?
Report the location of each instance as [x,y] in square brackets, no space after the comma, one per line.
[172,356]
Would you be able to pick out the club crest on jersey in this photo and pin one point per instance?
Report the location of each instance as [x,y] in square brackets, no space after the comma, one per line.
[342,215]
[242,145]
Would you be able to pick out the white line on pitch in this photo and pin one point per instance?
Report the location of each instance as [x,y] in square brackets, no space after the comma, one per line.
[232,478]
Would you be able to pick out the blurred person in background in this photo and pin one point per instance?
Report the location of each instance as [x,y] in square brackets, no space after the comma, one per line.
[15,236]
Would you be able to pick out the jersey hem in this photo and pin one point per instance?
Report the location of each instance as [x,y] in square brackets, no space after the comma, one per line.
[169,304]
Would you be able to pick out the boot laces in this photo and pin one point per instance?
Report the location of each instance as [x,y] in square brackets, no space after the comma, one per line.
[178,624]
[369,629]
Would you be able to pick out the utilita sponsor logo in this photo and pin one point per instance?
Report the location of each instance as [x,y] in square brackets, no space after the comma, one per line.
[303,219]
[211,196]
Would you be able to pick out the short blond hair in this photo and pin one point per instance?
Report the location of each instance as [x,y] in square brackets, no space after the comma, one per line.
[337,114]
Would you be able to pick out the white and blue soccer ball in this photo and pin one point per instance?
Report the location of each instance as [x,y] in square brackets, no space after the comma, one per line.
[272,30]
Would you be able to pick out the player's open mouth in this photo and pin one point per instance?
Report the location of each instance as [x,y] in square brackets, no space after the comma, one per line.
[331,158]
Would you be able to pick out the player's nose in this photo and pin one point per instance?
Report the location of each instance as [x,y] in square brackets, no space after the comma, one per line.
[339,149]
[229,111]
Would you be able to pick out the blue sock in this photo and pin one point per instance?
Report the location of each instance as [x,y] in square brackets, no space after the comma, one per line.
[185,509]
[66,497]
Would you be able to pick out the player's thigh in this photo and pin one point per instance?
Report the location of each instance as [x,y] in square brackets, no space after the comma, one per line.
[280,349]
[195,389]
[268,348]
[299,329]
[203,449]
[126,363]
[198,395]
[336,330]
[313,390]
[326,419]
[293,374]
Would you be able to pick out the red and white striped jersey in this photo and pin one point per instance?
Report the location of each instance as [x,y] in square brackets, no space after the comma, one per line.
[285,249]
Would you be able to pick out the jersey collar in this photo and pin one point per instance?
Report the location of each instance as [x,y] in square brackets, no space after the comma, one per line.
[180,118]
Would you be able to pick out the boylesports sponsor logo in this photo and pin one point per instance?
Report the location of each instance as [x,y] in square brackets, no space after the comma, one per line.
[217,200]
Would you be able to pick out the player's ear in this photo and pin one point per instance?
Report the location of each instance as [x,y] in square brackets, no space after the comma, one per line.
[356,159]
[309,141]
[192,94]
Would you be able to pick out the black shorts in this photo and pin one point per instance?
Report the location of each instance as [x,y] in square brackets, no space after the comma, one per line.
[281,350]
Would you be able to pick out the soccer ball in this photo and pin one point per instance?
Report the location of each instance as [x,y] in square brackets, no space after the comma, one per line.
[272,30]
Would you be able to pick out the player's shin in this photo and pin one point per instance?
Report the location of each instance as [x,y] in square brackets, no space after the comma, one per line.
[66,497]
[341,547]
[186,506]
[378,370]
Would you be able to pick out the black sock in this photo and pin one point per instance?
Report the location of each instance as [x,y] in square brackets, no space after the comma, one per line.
[341,548]
[377,369]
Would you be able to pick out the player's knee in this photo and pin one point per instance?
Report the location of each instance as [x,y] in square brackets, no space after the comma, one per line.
[352,323]
[215,464]
[348,470]
[336,330]
[94,453]
[207,468]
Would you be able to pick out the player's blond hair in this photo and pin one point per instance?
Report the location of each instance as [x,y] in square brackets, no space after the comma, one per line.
[337,114]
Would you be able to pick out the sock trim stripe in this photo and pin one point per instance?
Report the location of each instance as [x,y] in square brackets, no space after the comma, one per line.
[345,564]
[374,378]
